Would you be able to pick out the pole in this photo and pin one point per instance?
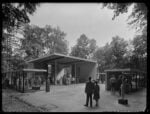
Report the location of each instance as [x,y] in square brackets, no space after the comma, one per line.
[75,73]
[23,80]
[55,72]
[47,78]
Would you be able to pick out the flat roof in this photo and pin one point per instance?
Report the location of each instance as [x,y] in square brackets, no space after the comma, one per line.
[27,70]
[60,58]
[124,70]
[35,70]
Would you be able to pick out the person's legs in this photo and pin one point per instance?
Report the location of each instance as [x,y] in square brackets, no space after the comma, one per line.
[90,96]
[96,102]
[87,99]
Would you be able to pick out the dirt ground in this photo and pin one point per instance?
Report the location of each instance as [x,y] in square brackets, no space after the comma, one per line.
[11,103]
[72,99]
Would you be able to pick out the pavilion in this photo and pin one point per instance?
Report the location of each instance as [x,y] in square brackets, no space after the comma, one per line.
[77,69]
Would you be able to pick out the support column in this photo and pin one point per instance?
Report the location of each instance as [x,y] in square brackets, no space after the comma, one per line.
[47,77]
[55,73]
[75,73]
[106,81]
[136,81]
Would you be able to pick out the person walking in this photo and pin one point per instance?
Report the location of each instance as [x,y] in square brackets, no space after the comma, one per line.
[113,83]
[96,92]
[89,88]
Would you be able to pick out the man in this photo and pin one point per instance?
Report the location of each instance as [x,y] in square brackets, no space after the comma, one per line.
[89,88]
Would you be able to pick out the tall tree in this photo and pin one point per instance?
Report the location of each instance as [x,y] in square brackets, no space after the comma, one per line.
[111,55]
[119,48]
[84,47]
[140,51]
[138,17]
[42,41]
[32,42]
[55,40]
[16,14]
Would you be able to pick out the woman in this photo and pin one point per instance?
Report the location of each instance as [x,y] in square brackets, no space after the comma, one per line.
[96,92]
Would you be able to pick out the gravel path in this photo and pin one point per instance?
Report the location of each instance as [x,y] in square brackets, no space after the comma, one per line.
[13,104]
[71,99]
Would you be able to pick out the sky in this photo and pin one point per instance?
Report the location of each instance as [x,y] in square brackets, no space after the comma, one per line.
[83,18]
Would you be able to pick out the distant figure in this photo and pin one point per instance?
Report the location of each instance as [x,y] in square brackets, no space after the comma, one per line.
[89,88]
[118,85]
[96,92]
[113,84]
[6,82]
[123,88]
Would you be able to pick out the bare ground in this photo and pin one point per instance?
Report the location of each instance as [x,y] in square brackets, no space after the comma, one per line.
[13,104]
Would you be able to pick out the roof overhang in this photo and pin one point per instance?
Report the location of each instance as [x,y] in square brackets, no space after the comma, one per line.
[64,59]
[34,70]
[124,70]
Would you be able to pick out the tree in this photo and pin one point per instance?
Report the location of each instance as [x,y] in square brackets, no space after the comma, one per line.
[55,40]
[99,56]
[84,47]
[111,55]
[119,48]
[16,14]
[140,51]
[140,44]
[92,48]
[138,17]
[42,41]
[128,55]
[32,41]
[7,52]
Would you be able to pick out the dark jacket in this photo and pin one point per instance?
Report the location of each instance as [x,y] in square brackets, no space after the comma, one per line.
[96,92]
[89,88]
